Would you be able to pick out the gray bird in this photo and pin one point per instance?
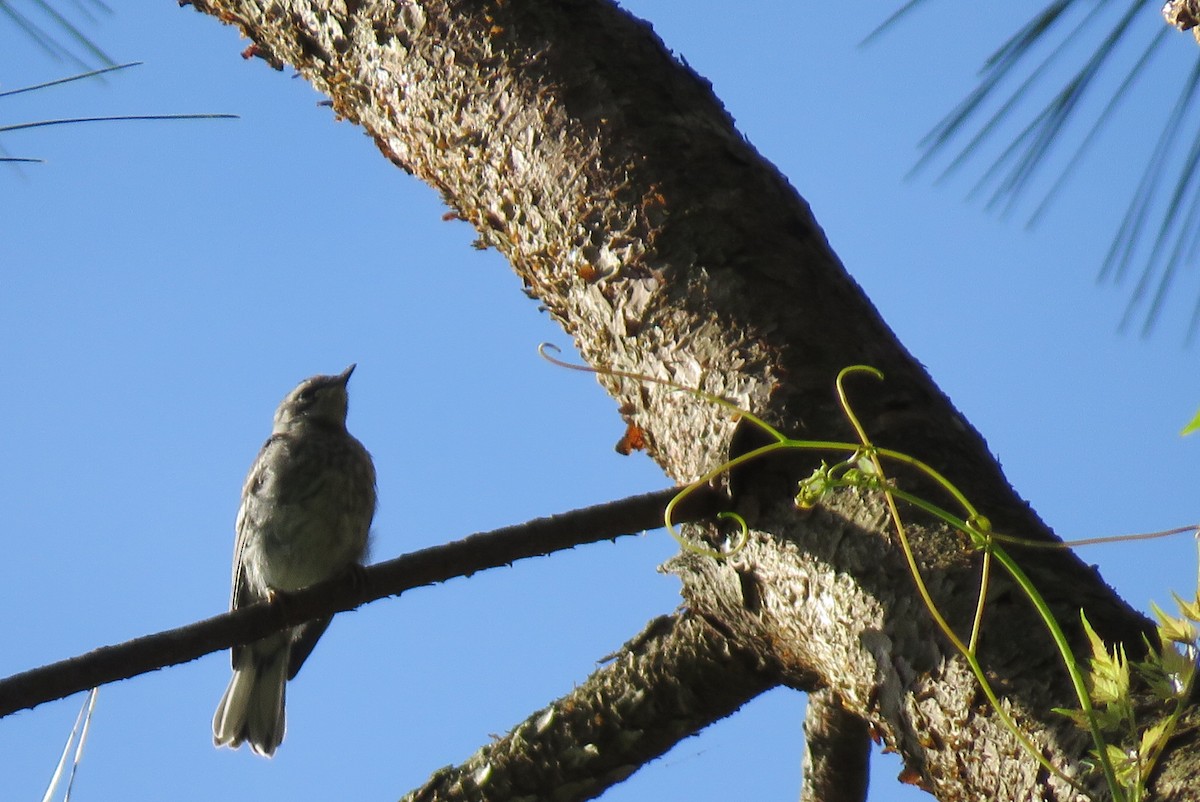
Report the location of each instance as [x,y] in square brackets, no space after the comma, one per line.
[306,509]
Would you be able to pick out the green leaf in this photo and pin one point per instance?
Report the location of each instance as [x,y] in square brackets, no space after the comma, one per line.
[1099,651]
[1154,738]
[1194,426]
[1078,717]
[1109,671]
[1178,672]
[1172,629]
[1123,764]
[1190,609]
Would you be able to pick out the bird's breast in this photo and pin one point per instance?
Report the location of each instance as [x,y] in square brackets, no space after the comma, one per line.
[308,515]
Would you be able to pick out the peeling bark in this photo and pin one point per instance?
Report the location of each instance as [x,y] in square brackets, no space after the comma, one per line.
[624,198]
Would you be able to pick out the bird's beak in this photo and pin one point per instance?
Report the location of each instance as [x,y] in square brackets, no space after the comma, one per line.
[344,376]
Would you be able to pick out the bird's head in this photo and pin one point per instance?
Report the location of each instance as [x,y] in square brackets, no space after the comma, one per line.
[320,401]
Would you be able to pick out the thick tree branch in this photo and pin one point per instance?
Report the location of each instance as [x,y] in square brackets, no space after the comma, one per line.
[625,199]
[677,677]
[464,557]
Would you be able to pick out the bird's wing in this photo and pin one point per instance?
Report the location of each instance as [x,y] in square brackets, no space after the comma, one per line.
[257,503]
[249,518]
[304,638]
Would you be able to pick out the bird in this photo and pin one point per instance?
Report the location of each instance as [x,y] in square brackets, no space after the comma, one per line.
[305,515]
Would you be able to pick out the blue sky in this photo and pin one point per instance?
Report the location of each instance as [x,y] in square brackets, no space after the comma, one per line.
[165,284]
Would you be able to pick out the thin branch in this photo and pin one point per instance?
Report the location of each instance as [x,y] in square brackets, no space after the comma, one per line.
[500,547]
[680,675]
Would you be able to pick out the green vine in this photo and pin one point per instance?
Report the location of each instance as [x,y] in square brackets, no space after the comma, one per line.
[1126,752]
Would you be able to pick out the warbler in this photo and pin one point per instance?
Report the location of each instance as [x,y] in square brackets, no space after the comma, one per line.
[306,511]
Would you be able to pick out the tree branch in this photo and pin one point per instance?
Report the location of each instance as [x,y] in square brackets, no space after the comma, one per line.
[617,186]
[837,751]
[678,676]
[464,557]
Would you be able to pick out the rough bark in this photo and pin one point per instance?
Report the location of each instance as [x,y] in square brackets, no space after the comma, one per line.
[1184,15]
[679,675]
[619,190]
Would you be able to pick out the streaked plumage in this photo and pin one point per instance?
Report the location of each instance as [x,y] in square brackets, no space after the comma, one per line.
[306,509]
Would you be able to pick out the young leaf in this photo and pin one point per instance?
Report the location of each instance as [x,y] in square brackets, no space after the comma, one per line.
[1190,609]
[1172,629]
[1110,671]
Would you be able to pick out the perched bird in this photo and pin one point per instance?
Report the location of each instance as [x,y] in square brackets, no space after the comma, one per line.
[306,509]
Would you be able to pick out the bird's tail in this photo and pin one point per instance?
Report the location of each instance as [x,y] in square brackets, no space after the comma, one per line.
[251,710]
